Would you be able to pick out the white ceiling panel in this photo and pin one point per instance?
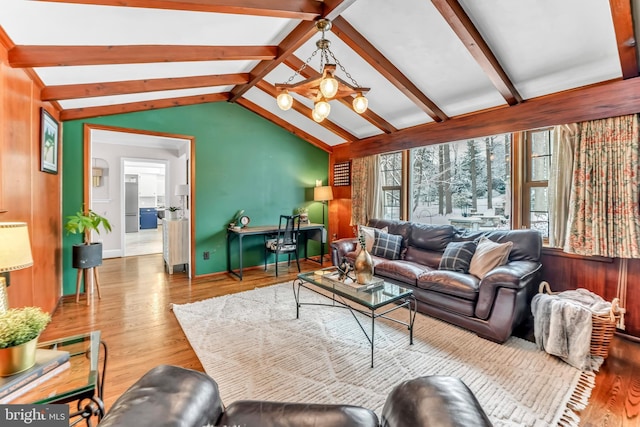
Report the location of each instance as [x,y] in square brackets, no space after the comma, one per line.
[547,46]
[137,97]
[419,42]
[121,72]
[300,121]
[73,24]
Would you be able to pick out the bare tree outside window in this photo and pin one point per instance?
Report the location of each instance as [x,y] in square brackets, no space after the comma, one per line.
[465,183]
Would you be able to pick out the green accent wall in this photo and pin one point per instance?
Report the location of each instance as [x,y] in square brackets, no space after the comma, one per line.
[242,161]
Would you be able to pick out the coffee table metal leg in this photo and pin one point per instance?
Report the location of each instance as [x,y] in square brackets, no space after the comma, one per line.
[297,296]
[373,333]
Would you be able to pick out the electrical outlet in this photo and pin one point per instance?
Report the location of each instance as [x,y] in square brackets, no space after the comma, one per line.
[205,255]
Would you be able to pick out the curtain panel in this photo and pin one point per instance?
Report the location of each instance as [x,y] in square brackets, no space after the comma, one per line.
[366,198]
[561,175]
[603,210]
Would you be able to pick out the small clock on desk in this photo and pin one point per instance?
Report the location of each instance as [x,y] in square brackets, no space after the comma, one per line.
[244,220]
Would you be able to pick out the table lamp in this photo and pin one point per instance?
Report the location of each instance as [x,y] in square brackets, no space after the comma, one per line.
[15,254]
[182,190]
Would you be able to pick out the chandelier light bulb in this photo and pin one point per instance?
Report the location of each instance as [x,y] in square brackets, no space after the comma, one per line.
[360,103]
[316,116]
[329,86]
[284,100]
[322,108]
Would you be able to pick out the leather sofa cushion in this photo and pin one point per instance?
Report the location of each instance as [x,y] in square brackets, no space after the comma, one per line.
[421,256]
[431,237]
[250,413]
[433,401]
[168,396]
[450,283]
[527,244]
[458,306]
[403,271]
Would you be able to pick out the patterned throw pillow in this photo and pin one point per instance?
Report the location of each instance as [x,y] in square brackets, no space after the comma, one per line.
[369,236]
[457,256]
[386,245]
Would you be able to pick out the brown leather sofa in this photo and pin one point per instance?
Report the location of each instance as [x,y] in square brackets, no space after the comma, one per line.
[492,307]
[171,396]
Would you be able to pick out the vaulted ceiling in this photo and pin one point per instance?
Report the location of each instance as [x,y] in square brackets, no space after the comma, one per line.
[425,61]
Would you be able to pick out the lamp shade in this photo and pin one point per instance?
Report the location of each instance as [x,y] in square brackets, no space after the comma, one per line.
[15,247]
[182,190]
[322,194]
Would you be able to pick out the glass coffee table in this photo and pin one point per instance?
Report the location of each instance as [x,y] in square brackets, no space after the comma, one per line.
[386,295]
[82,382]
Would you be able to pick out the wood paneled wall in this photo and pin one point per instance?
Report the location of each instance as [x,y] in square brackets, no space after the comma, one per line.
[26,194]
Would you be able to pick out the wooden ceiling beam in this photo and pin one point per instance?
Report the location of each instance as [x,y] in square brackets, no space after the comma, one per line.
[295,63]
[90,90]
[284,124]
[625,37]
[296,38]
[615,98]
[377,60]
[303,32]
[155,104]
[306,111]
[307,10]
[466,31]
[53,56]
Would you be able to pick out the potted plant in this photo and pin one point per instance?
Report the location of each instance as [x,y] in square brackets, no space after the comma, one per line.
[172,212]
[88,254]
[19,332]
[304,214]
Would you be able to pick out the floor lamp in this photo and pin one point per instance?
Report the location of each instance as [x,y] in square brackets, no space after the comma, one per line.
[322,194]
[15,254]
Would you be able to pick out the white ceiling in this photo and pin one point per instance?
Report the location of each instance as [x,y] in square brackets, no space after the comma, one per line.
[544,46]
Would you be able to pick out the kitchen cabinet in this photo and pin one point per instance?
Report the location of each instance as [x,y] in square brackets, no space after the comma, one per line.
[147,185]
[175,243]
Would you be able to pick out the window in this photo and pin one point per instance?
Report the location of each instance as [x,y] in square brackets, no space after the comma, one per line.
[463,183]
[391,183]
[535,185]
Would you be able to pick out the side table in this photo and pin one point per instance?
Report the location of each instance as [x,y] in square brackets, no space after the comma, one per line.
[82,382]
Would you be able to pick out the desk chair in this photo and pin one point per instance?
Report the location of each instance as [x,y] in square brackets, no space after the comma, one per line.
[285,242]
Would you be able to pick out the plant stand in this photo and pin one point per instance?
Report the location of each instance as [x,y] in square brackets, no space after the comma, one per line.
[87,258]
[88,286]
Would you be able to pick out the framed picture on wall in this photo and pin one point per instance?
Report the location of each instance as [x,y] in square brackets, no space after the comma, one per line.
[49,137]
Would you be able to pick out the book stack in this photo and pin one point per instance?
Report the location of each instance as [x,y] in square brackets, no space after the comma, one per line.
[49,363]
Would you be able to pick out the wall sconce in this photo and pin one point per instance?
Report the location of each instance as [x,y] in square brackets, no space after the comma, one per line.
[96,174]
[15,254]
[99,171]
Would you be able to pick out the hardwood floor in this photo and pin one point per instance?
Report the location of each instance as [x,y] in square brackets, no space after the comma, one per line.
[141,332]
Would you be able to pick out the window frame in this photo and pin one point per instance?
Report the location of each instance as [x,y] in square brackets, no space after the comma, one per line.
[528,183]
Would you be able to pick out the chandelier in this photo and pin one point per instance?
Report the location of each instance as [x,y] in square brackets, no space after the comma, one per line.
[325,87]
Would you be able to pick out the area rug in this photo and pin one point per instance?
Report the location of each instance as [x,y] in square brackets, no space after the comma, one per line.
[254,347]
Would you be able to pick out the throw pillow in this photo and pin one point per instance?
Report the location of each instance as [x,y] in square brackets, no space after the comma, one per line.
[386,245]
[457,256]
[369,236]
[488,256]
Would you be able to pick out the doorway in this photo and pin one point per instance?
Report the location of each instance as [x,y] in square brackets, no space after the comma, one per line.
[160,163]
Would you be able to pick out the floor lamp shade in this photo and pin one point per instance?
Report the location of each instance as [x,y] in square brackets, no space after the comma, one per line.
[15,253]
[322,194]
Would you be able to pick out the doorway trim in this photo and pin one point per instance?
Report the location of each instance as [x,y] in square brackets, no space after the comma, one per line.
[191,173]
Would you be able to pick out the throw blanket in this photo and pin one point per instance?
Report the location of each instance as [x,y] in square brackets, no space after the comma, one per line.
[562,325]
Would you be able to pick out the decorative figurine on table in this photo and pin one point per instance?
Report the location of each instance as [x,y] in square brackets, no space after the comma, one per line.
[363,264]
[344,269]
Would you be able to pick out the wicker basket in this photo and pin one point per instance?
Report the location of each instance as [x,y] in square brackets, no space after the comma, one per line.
[603,326]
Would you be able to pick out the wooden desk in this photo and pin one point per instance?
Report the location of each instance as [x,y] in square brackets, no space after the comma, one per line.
[310,231]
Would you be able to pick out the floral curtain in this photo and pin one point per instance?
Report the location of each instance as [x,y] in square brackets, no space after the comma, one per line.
[560,178]
[603,210]
[366,201]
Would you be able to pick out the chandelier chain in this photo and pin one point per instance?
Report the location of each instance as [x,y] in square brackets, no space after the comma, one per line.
[302,67]
[346,73]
